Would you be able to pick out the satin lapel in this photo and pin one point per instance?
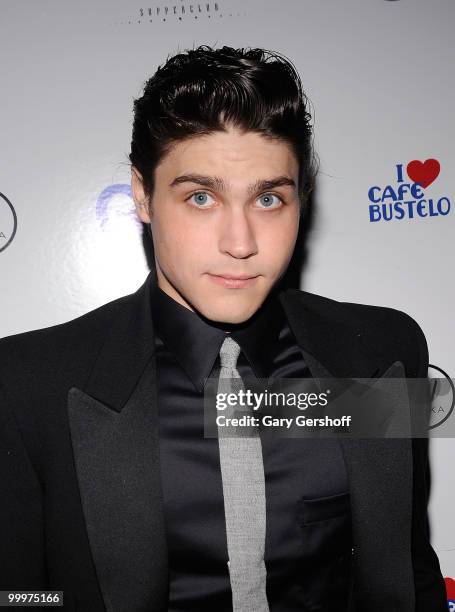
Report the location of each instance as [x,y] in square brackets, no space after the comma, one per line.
[117,463]
[379,470]
[114,431]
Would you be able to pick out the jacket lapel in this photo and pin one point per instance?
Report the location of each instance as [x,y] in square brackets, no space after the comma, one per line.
[379,470]
[114,431]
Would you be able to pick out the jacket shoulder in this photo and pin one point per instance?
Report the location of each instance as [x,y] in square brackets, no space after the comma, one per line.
[383,329]
[353,312]
[50,351]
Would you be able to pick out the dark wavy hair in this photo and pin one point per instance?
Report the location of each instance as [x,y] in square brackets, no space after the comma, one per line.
[203,90]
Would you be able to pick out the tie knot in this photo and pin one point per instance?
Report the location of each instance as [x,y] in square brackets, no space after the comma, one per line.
[229,353]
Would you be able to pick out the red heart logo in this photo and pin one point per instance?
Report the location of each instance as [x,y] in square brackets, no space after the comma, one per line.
[423,173]
[450,588]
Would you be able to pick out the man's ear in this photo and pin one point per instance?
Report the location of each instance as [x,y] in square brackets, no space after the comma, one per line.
[141,201]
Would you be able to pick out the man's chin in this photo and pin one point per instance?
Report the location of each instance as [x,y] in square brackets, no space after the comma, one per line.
[230,312]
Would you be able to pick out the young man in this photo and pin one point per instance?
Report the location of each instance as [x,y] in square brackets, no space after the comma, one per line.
[110,491]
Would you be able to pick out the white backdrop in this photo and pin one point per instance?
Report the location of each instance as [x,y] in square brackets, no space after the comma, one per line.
[380,75]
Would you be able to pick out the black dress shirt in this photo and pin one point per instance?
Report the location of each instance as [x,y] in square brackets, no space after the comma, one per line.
[308,532]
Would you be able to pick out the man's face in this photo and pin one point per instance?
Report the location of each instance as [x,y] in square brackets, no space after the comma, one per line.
[219,209]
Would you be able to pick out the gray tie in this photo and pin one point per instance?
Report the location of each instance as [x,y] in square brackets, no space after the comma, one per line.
[242,472]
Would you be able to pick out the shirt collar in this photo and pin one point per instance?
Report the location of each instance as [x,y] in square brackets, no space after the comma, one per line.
[195,341]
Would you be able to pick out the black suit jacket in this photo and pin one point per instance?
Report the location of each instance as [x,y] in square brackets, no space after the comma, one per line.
[79,472]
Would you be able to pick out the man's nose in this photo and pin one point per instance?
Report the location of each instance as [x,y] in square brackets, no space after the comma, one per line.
[237,237]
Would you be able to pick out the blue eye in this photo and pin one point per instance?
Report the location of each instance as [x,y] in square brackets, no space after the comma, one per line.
[200,198]
[267,199]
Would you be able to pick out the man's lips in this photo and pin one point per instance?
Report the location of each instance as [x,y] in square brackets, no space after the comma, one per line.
[236,276]
[231,281]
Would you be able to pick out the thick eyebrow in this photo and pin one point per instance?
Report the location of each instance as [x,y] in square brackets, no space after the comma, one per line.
[218,184]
